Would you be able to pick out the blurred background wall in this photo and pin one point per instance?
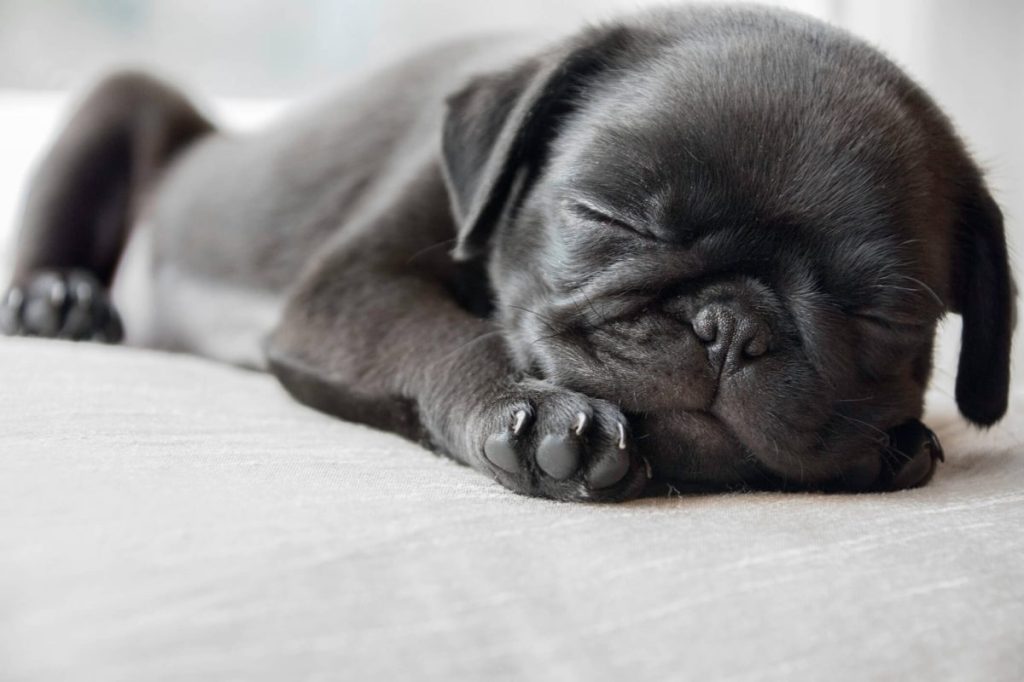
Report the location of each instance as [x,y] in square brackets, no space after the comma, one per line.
[259,47]
[970,55]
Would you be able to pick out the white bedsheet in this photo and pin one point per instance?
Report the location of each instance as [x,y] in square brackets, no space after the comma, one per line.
[162,517]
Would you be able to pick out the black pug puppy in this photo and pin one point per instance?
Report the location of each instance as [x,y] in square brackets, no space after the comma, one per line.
[702,246]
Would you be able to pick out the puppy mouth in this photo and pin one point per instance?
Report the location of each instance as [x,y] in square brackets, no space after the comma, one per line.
[715,457]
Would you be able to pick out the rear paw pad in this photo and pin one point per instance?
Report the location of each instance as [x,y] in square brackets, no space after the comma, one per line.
[62,305]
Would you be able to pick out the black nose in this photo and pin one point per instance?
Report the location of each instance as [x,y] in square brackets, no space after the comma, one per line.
[733,333]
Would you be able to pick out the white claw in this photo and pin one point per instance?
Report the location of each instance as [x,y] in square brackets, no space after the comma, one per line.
[647,466]
[58,292]
[517,426]
[622,436]
[581,423]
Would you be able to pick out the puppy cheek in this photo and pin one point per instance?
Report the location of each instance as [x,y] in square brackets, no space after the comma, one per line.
[863,473]
[780,402]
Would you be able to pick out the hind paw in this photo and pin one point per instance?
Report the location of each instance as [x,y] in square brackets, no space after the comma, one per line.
[69,304]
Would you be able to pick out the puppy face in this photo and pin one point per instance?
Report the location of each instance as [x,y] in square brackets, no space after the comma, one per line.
[740,226]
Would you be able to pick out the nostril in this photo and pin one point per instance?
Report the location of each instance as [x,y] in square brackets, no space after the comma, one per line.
[716,326]
[757,345]
[705,325]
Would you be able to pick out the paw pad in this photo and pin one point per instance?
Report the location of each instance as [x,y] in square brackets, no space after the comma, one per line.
[564,445]
[65,305]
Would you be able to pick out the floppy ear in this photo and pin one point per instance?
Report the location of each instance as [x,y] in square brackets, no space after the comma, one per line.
[984,295]
[499,125]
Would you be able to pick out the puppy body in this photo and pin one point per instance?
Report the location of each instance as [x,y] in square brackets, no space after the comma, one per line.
[235,220]
[703,246]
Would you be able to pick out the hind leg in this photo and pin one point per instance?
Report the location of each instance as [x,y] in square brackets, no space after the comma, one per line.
[82,202]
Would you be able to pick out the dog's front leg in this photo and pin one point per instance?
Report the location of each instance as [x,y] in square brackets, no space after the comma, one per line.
[388,345]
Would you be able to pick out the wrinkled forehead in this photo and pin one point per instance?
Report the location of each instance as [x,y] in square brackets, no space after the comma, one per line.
[760,180]
[673,143]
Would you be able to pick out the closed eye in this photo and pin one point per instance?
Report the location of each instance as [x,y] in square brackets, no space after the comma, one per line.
[873,318]
[592,214]
[888,322]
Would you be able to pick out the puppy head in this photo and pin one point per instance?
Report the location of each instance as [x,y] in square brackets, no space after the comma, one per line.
[742,226]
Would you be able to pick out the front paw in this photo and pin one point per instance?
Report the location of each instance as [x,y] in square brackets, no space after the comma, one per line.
[68,304]
[910,458]
[550,442]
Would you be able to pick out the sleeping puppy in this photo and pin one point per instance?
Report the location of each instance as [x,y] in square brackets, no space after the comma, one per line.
[700,247]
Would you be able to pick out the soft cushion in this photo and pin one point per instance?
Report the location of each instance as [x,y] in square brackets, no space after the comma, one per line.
[164,517]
